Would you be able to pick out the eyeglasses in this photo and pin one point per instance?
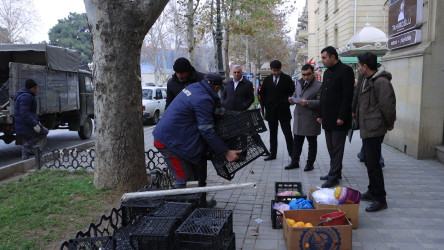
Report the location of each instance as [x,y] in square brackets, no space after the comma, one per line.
[308,74]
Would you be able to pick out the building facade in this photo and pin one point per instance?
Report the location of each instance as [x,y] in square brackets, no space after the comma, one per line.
[417,69]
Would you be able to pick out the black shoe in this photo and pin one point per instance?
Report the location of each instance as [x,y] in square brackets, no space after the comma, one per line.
[376,206]
[308,167]
[325,177]
[269,158]
[211,203]
[366,196]
[292,165]
[360,159]
[382,165]
[330,183]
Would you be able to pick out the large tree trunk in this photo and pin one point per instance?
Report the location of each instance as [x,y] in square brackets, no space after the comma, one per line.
[118,29]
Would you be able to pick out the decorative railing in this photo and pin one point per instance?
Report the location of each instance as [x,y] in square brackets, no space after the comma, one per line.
[74,159]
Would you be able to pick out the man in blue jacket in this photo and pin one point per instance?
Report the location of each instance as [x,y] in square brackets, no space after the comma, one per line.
[26,121]
[187,126]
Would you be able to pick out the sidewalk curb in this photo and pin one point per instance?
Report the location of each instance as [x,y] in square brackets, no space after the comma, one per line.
[23,166]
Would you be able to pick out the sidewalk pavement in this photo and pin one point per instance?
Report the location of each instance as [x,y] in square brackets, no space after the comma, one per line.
[415,196]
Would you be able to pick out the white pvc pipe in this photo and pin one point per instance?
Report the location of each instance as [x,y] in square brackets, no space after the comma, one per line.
[147,194]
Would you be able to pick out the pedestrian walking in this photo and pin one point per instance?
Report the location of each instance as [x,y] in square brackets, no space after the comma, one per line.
[335,111]
[376,100]
[275,90]
[305,125]
[26,121]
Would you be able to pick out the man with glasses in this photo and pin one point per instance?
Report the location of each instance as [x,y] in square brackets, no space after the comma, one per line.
[306,98]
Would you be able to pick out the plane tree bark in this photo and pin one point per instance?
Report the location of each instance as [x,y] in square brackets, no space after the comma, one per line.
[118,29]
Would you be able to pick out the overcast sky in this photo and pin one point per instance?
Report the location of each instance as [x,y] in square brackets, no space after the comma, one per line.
[50,11]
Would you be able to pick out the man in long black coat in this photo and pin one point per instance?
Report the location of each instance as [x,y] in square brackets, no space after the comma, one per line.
[335,111]
[274,93]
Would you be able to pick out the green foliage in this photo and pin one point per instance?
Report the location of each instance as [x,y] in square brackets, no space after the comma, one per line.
[45,206]
[73,32]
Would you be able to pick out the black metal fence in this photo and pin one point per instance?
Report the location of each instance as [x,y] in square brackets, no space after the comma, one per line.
[73,159]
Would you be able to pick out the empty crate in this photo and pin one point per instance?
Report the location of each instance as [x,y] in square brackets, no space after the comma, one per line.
[154,233]
[249,121]
[134,209]
[177,210]
[252,147]
[206,229]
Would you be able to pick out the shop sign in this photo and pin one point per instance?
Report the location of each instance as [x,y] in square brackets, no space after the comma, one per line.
[404,15]
[404,40]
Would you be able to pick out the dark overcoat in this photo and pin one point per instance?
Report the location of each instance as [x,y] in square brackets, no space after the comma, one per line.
[337,96]
[238,99]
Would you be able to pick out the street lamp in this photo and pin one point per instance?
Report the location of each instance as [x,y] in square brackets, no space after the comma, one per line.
[220,66]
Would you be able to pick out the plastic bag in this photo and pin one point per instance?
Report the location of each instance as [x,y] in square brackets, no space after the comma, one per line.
[281,207]
[300,204]
[325,196]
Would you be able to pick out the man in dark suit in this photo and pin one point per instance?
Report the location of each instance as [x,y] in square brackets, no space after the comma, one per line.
[306,97]
[239,92]
[335,110]
[274,92]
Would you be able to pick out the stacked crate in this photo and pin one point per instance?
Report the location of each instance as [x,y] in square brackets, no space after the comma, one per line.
[205,229]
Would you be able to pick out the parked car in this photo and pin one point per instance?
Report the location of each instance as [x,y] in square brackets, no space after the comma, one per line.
[153,104]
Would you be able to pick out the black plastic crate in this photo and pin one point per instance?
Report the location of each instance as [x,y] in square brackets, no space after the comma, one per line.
[276,216]
[205,228]
[122,236]
[134,209]
[288,186]
[105,243]
[252,147]
[249,121]
[198,200]
[177,210]
[154,233]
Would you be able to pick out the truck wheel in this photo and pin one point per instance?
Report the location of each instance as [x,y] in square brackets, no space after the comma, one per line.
[86,130]
[155,118]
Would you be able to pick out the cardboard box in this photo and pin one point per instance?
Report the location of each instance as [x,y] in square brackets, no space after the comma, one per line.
[317,237]
[351,210]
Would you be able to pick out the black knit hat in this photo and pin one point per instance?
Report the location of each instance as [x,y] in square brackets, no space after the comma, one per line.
[213,78]
[29,84]
[182,65]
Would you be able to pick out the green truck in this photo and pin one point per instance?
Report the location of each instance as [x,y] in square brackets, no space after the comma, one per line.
[65,96]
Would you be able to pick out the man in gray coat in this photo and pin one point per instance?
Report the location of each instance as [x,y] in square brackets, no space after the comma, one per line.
[375,114]
[306,97]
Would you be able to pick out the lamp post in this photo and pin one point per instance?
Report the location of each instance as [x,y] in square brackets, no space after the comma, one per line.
[220,66]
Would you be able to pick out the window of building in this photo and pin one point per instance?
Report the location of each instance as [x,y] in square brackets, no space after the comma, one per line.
[336,36]
[326,39]
[326,9]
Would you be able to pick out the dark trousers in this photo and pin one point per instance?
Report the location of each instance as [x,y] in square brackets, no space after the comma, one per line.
[298,142]
[372,149]
[200,172]
[335,140]
[273,124]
